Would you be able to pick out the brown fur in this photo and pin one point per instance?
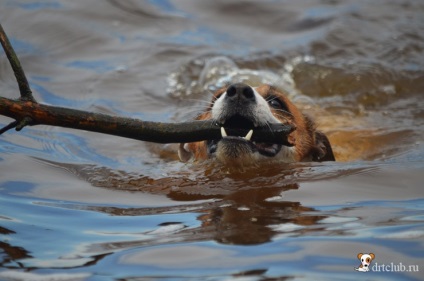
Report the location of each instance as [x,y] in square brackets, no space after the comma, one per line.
[310,144]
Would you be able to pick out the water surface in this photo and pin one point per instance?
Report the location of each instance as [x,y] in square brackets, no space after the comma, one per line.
[83,206]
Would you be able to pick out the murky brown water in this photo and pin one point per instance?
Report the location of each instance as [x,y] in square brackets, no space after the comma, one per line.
[83,206]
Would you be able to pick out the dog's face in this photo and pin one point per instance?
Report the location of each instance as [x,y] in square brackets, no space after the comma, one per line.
[366,259]
[242,106]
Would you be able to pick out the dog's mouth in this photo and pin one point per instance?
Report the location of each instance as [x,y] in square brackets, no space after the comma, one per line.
[235,144]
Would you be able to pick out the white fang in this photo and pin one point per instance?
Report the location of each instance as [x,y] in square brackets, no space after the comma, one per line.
[249,135]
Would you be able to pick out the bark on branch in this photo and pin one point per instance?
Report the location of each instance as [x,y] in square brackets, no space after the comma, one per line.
[26,111]
[24,89]
[129,127]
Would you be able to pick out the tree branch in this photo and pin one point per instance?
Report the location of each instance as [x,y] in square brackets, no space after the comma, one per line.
[24,89]
[129,127]
[26,111]
[8,127]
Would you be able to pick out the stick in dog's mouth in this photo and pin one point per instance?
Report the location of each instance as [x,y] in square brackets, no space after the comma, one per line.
[271,133]
[246,118]
[266,140]
[241,139]
[236,144]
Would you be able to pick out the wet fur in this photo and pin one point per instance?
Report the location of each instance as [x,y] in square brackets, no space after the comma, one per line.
[309,144]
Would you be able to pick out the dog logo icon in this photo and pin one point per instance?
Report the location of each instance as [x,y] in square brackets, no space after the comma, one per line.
[366,260]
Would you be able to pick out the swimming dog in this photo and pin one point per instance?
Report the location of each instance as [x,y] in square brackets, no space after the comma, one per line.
[242,106]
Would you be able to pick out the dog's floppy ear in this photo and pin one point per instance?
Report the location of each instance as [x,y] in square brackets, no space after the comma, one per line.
[184,153]
[359,256]
[372,255]
[322,150]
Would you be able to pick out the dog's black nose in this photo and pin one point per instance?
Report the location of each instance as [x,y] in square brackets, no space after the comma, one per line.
[240,92]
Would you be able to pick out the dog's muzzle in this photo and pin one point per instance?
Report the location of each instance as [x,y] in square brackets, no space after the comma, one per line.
[238,112]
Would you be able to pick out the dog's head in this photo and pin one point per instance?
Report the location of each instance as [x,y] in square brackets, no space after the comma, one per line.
[242,106]
[366,259]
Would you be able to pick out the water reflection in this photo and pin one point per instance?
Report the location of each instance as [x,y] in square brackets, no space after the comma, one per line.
[237,214]
[232,207]
[250,216]
[242,217]
[77,205]
[12,254]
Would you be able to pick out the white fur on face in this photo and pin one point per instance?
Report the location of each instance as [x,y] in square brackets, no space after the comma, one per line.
[261,111]
[262,115]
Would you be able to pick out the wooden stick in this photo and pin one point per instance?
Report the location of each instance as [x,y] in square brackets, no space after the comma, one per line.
[132,128]
[26,111]
[24,89]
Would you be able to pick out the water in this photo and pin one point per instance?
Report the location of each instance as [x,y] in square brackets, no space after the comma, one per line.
[84,206]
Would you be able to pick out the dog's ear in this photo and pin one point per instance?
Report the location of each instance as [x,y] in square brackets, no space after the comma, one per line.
[184,153]
[322,150]
[372,255]
[359,256]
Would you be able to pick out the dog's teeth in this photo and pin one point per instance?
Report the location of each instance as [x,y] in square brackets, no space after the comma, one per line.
[223,132]
[249,135]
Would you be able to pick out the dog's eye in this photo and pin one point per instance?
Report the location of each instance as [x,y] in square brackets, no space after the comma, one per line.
[276,103]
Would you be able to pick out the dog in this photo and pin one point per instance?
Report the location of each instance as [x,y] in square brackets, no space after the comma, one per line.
[366,260]
[242,106]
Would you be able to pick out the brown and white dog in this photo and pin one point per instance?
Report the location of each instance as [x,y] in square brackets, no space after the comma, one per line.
[366,260]
[242,106]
